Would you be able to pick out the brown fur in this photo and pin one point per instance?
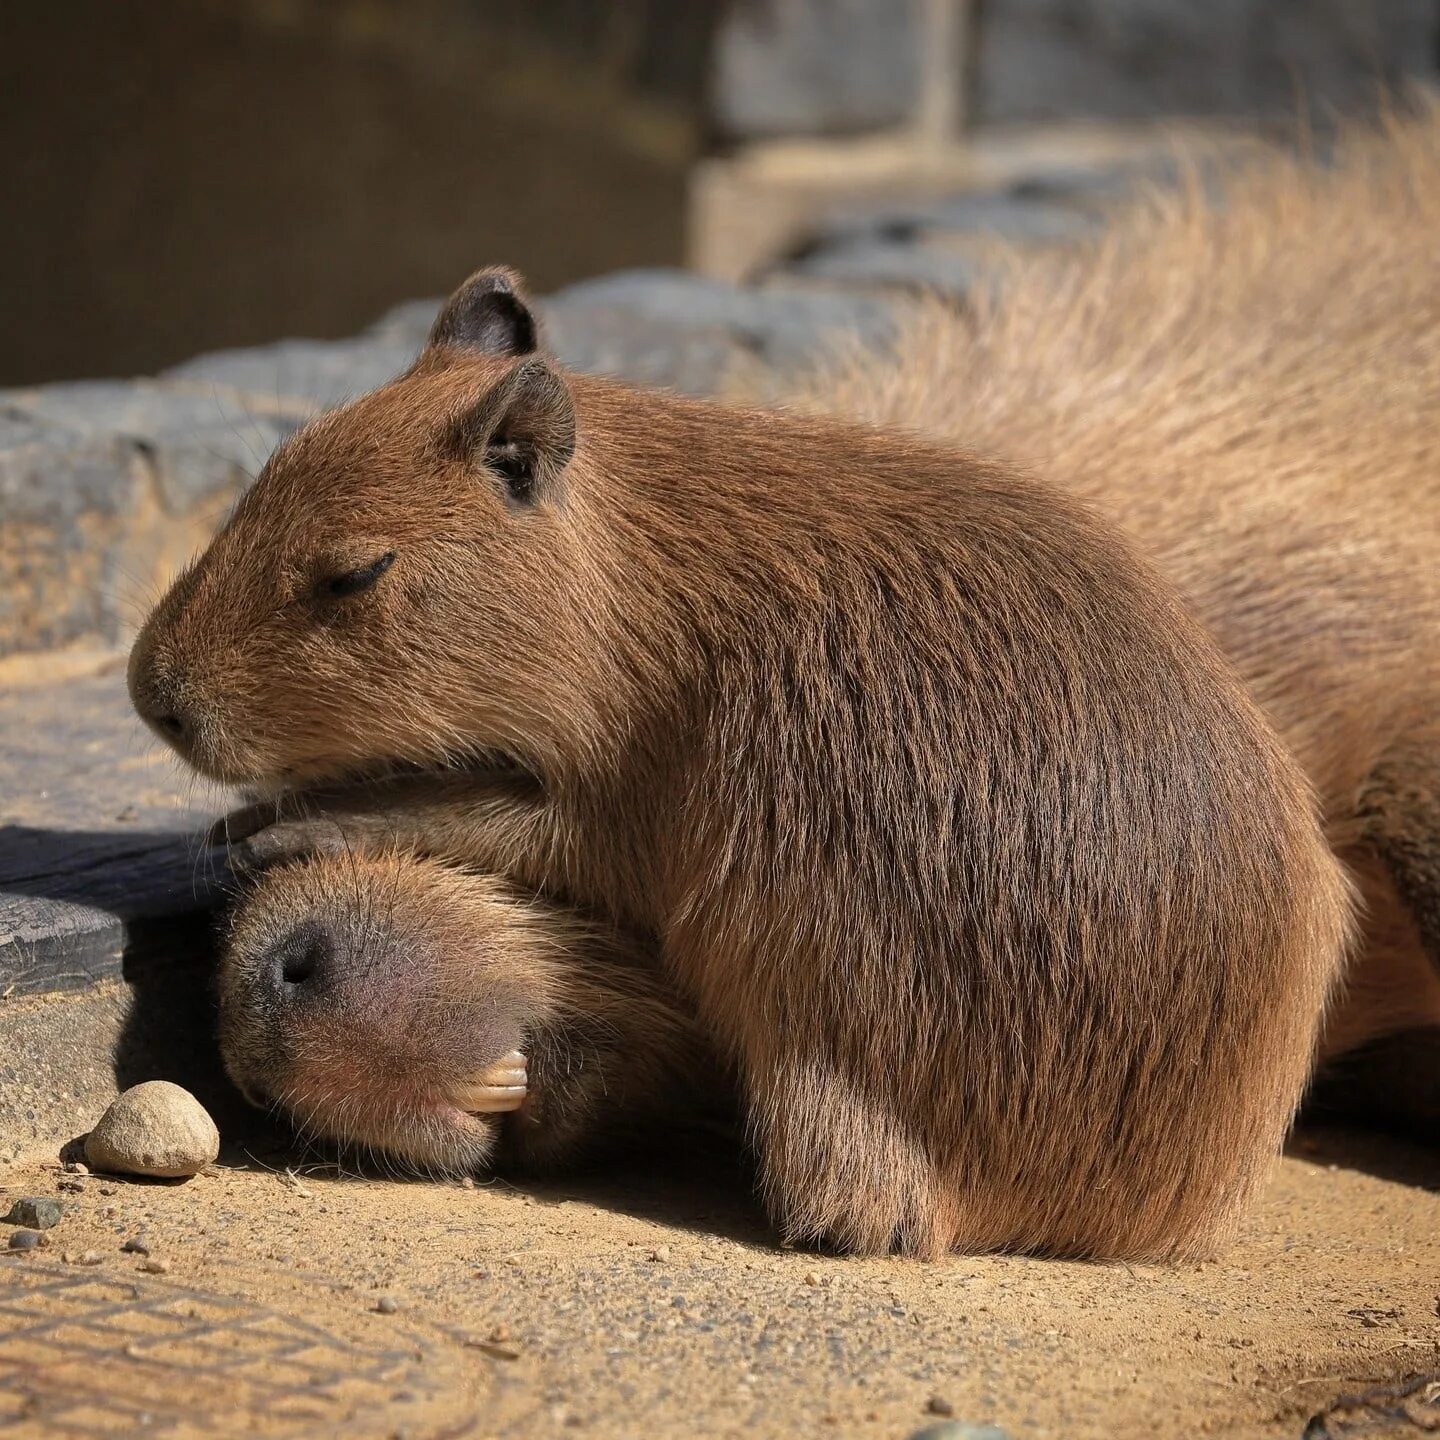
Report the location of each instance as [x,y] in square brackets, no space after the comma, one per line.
[1252,391]
[968,848]
[432,974]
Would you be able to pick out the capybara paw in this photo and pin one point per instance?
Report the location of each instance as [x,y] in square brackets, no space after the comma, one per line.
[249,850]
[496,1089]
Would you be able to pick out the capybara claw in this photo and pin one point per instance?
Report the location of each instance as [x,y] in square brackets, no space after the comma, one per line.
[495,1090]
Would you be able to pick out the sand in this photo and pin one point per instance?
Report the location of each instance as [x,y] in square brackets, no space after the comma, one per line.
[648,1304]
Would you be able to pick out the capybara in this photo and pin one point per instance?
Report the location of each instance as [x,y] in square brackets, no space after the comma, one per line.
[970,851]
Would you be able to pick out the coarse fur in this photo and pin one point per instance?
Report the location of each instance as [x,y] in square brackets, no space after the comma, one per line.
[424,976]
[968,848]
[1250,388]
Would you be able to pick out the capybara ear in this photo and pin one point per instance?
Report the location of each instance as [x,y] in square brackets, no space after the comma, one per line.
[522,430]
[488,313]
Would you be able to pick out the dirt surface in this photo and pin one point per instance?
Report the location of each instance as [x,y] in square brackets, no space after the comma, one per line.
[282,1299]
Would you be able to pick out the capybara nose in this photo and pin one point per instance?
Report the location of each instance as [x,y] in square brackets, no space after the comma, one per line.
[303,964]
[175,728]
[158,705]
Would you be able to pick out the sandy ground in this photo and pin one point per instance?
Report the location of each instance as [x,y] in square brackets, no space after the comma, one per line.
[623,1305]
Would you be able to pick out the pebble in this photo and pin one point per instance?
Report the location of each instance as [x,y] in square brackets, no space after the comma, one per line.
[660,1252]
[26,1240]
[387,1305]
[136,1245]
[83,1257]
[959,1430]
[155,1265]
[939,1405]
[35,1212]
[154,1128]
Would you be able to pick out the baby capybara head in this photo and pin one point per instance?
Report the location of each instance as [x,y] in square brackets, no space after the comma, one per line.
[406,1007]
[386,1002]
[389,553]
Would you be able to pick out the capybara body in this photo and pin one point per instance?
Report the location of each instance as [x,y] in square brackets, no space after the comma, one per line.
[1251,390]
[443,1020]
[972,855]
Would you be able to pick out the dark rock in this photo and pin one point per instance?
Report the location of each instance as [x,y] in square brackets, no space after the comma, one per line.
[136,1245]
[35,1212]
[25,1240]
[79,886]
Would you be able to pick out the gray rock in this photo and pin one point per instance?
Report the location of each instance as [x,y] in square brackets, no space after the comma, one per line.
[154,1128]
[895,265]
[959,1430]
[25,1240]
[35,1212]
[814,66]
[672,328]
[407,323]
[1050,59]
[101,483]
[1024,213]
[303,374]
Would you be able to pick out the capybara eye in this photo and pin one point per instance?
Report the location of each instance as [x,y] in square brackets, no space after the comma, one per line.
[352,582]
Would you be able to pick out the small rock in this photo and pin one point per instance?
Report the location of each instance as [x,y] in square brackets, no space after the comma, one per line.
[76,1167]
[660,1252]
[811,1278]
[136,1245]
[36,1212]
[467,1182]
[499,1334]
[155,1128]
[82,1257]
[387,1305]
[155,1265]
[25,1240]
[939,1405]
[959,1430]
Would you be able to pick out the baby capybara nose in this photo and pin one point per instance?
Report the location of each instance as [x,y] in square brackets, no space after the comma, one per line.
[303,965]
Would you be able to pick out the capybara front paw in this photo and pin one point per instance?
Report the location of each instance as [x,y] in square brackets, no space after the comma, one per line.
[496,1089]
[253,843]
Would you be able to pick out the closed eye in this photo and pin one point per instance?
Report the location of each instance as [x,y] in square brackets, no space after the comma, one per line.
[352,582]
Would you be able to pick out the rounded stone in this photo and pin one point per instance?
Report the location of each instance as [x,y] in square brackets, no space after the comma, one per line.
[959,1430]
[155,1128]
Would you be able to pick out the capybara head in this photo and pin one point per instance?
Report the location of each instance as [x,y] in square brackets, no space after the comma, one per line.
[403,1006]
[387,1002]
[389,553]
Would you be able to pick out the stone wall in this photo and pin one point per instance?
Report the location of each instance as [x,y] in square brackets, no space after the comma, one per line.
[106,486]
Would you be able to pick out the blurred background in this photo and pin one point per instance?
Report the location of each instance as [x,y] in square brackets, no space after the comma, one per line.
[187,175]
